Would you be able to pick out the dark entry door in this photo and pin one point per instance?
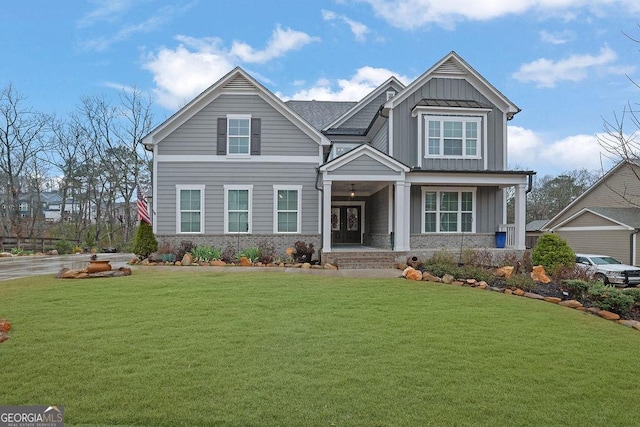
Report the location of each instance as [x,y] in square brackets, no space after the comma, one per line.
[345,224]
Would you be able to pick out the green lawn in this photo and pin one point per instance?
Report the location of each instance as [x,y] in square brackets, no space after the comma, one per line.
[197,347]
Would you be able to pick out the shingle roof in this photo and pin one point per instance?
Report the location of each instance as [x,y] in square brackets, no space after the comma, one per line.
[320,113]
[536,224]
[627,216]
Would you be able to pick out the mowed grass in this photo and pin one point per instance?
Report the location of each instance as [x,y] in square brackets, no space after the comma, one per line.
[197,347]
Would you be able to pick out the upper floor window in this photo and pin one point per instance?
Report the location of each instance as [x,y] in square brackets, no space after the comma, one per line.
[452,136]
[238,134]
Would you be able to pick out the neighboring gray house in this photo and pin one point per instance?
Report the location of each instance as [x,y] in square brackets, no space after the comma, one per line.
[605,219]
[406,169]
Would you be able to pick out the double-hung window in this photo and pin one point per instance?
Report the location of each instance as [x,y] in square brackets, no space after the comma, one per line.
[287,203]
[453,136]
[237,208]
[238,134]
[190,204]
[449,210]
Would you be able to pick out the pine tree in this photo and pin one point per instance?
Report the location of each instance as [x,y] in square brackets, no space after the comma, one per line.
[145,242]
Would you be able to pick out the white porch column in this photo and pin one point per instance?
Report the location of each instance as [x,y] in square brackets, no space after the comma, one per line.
[326,216]
[402,215]
[520,215]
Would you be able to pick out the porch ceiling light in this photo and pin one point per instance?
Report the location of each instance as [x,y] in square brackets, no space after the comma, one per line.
[352,194]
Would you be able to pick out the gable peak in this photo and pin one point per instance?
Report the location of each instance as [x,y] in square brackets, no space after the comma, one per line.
[450,66]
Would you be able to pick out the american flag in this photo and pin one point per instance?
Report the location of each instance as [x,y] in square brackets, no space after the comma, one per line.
[141,201]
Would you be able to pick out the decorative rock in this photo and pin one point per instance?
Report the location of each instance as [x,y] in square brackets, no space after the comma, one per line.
[636,326]
[3,337]
[519,292]
[414,261]
[281,264]
[406,271]
[328,266]
[414,274]
[448,279]
[178,263]
[6,255]
[305,265]
[471,282]
[533,295]
[505,271]
[52,252]
[401,266]
[539,275]
[217,263]
[628,323]
[495,289]
[187,259]
[457,283]
[553,300]
[245,262]
[133,261]
[570,303]
[5,326]
[594,310]
[608,315]
[508,291]
[428,277]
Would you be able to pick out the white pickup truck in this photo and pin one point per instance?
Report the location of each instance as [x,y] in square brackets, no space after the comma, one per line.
[609,270]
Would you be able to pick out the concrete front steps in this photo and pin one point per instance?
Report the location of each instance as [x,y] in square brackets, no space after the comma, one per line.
[361,259]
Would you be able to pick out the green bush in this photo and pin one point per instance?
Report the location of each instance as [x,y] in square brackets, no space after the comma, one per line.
[64,247]
[609,298]
[205,253]
[145,241]
[252,254]
[553,252]
[521,281]
[577,289]
[633,293]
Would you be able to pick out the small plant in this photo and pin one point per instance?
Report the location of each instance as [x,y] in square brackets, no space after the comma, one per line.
[185,246]
[476,272]
[576,288]
[205,253]
[170,257]
[477,257]
[17,251]
[251,254]
[633,293]
[266,251]
[611,299]
[441,263]
[521,281]
[553,252]
[304,252]
[228,254]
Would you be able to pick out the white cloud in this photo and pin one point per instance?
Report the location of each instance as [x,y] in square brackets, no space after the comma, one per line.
[358,29]
[412,14]
[546,73]
[357,87]
[559,37]
[105,10]
[530,150]
[183,72]
[281,42]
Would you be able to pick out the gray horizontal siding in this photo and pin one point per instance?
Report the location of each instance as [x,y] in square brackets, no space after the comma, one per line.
[588,219]
[215,176]
[364,165]
[405,127]
[610,242]
[198,135]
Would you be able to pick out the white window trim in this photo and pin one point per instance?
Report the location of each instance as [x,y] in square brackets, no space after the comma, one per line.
[178,210]
[277,188]
[464,119]
[438,190]
[239,117]
[226,208]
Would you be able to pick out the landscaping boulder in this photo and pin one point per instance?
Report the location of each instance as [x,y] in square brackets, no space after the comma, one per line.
[414,274]
[608,315]
[505,271]
[428,277]
[245,262]
[448,279]
[540,275]
[570,303]
[187,259]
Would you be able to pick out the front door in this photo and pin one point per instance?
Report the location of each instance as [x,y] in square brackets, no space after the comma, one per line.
[345,224]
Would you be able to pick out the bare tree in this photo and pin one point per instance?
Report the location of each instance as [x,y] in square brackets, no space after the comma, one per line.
[22,132]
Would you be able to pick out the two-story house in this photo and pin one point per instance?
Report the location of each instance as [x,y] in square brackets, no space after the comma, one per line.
[406,169]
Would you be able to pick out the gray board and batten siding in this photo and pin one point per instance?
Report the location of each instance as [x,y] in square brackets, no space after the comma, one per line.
[198,136]
[405,127]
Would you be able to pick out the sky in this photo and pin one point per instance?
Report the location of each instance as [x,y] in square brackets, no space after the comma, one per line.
[568,64]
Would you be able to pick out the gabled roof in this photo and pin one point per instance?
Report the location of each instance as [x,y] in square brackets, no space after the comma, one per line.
[238,81]
[365,150]
[452,65]
[390,83]
[536,225]
[626,217]
[320,113]
[589,190]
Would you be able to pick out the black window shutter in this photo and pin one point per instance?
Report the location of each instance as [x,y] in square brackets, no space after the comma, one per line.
[222,136]
[255,136]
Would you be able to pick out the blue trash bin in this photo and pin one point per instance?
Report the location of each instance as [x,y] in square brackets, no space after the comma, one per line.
[501,239]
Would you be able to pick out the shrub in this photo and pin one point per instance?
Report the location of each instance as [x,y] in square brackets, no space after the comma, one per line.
[475,272]
[65,247]
[477,258]
[576,288]
[205,253]
[266,251]
[145,241]
[304,252]
[521,281]
[228,254]
[553,252]
[633,293]
[609,298]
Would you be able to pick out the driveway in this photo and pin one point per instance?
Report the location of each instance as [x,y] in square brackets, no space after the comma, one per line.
[25,266]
